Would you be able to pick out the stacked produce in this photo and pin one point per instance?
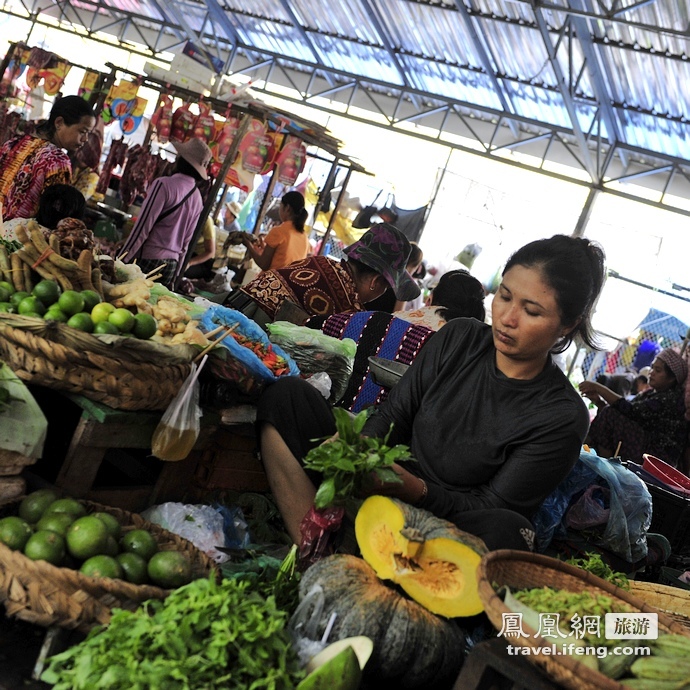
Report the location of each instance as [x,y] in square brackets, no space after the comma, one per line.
[59,531]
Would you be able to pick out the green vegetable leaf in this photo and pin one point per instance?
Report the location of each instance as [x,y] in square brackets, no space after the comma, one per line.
[325,494]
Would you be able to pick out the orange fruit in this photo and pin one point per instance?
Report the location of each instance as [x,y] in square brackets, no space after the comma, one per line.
[87,537]
[169,569]
[139,541]
[48,291]
[122,319]
[45,546]
[71,302]
[81,321]
[14,532]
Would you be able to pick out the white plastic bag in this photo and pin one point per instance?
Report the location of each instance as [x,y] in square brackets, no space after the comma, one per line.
[202,525]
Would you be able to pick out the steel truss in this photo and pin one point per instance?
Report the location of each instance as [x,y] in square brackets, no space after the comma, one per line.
[597,154]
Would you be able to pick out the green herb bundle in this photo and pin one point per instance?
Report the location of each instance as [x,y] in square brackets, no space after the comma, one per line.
[348,461]
[594,564]
[205,635]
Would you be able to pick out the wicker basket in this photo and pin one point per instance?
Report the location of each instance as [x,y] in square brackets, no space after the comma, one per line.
[43,594]
[519,570]
[673,601]
[126,375]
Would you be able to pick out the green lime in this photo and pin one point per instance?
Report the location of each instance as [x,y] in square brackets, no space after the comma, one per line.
[169,569]
[54,313]
[139,541]
[45,546]
[144,326]
[91,299]
[87,537]
[35,504]
[31,305]
[56,522]
[110,522]
[134,567]
[4,294]
[101,566]
[71,302]
[81,321]
[102,311]
[105,328]
[123,319]
[7,307]
[67,505]
[15,532]
[8,286]
[47,291]
[18,296]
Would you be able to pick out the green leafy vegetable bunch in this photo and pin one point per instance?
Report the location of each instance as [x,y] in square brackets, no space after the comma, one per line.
[205,635]
[594,564]
[348,461]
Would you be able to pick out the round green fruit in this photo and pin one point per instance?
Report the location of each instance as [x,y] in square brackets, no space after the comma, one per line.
[54,313]
[15,532]
[5,285]
[123,319]
[71,302]
[35,504]
[105,328]
[56,522]
[67,505]
[81,321]
[7,307]
[91,299]
[31,305]
[45,546]
[101,312]
[169,569]
[87,537]
[17,297]
[139,541]
[4,295]
[101,566]
[144,326]
[133,567]
[110,522]
[48,291]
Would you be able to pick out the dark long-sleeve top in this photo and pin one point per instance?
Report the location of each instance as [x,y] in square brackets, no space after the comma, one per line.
[481,440]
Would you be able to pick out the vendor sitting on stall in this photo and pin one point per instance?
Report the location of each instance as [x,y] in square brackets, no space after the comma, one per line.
[653,422]
[321,286]
[492,421]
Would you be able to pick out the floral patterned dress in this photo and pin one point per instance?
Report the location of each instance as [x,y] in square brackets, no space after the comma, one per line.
[28,165]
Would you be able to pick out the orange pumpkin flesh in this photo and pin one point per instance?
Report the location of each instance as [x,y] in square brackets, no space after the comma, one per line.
[433,561]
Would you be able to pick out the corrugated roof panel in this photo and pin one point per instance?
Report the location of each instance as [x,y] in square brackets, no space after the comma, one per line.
[272,36]
[657,134]
[538,104]
[452,82]
[342,19]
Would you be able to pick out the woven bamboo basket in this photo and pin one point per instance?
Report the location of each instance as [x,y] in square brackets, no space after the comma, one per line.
[124,373]
[43,594]
[673,601]
[520,570]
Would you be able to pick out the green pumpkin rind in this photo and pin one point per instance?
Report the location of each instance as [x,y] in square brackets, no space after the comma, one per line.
[411,645]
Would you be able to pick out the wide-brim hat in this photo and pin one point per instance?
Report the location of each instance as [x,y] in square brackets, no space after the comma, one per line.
[234,208]
[385,249]
[196,153]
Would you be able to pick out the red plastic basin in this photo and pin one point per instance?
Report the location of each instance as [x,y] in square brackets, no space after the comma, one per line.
[665,473]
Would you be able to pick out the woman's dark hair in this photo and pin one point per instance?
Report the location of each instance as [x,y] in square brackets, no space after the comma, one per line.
[360,269]
[574,268]
[71,109]
[416,254]
[57,202]
[295,202]
[459,294]
[182,166]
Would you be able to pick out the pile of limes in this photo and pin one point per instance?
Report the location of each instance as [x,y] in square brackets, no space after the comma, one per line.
[83,310]
[59,531]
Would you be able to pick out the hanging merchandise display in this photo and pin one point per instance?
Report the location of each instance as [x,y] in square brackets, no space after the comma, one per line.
[88,84]
[161,120]
[255,156]
[41,66]
[205,123]
[52,74]
[291,160]
[223,135]
[124,106]
[183,120]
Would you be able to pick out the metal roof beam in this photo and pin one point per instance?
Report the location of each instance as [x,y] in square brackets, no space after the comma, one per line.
[564,88]
[489,65]
[630,8]
[313,49]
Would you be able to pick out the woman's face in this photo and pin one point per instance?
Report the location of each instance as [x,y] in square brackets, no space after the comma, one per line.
[284,212]
[660,378]
[73,137]
[526,320]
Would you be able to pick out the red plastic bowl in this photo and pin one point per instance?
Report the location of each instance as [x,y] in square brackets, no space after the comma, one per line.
[665,473]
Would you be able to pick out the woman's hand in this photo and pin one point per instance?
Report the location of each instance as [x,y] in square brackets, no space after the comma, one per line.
[599,394]
[410,489]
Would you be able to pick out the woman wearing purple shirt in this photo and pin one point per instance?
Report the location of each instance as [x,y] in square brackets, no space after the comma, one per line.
[170,213]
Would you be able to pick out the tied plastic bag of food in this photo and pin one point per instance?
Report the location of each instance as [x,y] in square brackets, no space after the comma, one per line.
[178,430]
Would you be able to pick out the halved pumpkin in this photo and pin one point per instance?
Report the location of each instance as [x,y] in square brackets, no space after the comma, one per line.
[431,559]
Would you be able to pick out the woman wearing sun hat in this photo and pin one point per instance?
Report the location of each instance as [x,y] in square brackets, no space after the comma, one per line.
[652,422]
[170,213]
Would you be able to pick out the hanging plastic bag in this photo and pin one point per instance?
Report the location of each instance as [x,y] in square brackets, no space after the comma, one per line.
[178,430]
[591,509]
[317,530]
